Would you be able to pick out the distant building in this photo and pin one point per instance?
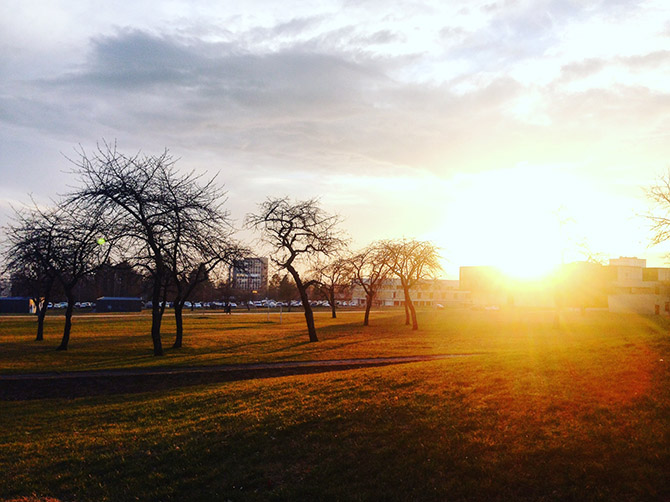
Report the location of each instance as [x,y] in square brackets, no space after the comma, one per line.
[118,304]
[16,305]
[429,293]
[625,285]
[638,289]
[250,274]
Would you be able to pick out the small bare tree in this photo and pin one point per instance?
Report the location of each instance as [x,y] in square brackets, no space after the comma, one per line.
[369,269]
[63,244]
[297,232]
[199,239]
[27,250]
[331,277]
[80,250]
[659,216]
[413,262]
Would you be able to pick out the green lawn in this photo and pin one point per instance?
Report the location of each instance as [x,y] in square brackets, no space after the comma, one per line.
[578,411]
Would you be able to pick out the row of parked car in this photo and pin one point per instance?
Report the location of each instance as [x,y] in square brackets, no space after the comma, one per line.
[77,305]
[215,305]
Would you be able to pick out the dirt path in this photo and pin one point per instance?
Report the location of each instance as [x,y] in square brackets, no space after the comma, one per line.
[122,381]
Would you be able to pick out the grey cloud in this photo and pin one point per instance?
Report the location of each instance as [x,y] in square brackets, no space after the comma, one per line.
[138,59]
[581,69]
[585,68]
[381,37]
[651,60]
[287,32]
[316,104]
[297,26]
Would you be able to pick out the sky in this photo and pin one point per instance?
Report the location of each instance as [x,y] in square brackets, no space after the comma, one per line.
[510,133]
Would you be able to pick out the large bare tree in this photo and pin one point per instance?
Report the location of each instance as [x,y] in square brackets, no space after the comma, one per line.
[297,232]
[413,262]
[150,202]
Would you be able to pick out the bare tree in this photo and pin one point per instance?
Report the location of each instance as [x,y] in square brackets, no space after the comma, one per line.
[659,194]
[199,239]
[189,273]
[413,262]
[369,269]
[297,232]
[143,195]
[27,249]
[63,244]
[331,277]
[80,250]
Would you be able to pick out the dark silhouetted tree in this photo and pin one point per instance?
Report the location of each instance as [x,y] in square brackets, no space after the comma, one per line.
[28,245]
[199,239]
[65,245]
[297,232]
[144,196]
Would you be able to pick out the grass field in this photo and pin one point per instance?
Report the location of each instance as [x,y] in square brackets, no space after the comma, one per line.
[575,411]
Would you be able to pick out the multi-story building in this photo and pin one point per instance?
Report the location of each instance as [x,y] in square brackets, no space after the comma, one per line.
[250,274]
[636,288]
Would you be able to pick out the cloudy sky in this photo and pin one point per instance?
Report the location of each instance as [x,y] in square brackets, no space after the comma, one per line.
[505,131]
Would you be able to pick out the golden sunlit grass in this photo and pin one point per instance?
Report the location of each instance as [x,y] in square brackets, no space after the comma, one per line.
[579,411]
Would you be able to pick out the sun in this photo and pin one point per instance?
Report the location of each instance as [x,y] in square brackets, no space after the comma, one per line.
[514,220]
[528,267]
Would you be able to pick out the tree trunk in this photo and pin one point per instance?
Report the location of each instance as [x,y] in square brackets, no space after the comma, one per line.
[309,315]
[406,290]
[331,300]
[41,314]
[164,301]
[68,322]
[368,306]
[156,317]
[409,306]
[178,307]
